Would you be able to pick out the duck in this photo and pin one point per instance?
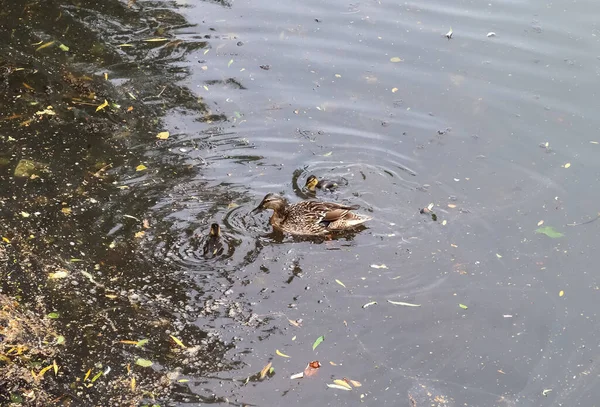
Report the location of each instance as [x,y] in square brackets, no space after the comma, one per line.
[310,218]
[213,245]
[313,182]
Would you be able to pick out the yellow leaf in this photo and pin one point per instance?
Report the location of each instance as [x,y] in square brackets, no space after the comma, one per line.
[127,342]
[177,341]
[394,90]
[87,375]
[540,223]
[25,214]
[355,383]
[139,234]
[58,274]
[66,210]
[451,206]
[567,165]
[103,105]
[396,59]
[265,370]
[561,293]
[340,283]
[133,384]
[141,167]
[342,383]
[5,239]
[156,40]
[55,367]
[44,370]
[46,45]
[163,135]
[283,355]
[337,75]
[105,76]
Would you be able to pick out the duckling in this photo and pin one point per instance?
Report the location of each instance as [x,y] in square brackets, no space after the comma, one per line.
[213,246]
[313,182]
[310,217]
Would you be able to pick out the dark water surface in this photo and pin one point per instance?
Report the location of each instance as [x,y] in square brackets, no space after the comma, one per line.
[499,131]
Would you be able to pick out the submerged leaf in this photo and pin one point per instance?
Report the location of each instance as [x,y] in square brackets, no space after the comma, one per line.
[463,306]
[283,355]
[318,341]
[396,59]
[46,45]
[297,376]
[550,232]
[378,266]
[340,283]
[163,135]
[63,47]
[141,167]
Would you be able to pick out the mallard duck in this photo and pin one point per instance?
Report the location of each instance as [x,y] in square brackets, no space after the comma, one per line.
[213,246]
[310,217]
[313,182]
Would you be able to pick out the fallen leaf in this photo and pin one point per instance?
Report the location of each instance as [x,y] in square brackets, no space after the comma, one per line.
[406,304]
[140,234]
[561,293]
[463,306]
[567,165]
[318,341]
[498,255]
[328,154]
[491,34]
[63,47]
[394,90]
[143,362]
[283,355]
[380,266]
[163,135]
[265,370]
[295,323]
[46,45]
[133,384]
[230,62]
[550,232]
[156,39]
[297,376]
[369,304]
[25,214]
[178,342]
[546,391]
[396,59]
[141,167]
[58,274]
[337,386]
[342,383]
[103,105]
[340,283]
[353,382]
[312,368]
[540,223]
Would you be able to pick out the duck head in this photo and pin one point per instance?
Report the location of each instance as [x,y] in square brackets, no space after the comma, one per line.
[271,201]
[311,183]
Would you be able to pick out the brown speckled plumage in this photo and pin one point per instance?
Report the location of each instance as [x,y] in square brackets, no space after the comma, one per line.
[310,217]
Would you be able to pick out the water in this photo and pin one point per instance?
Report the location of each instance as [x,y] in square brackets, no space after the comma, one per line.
[498,131]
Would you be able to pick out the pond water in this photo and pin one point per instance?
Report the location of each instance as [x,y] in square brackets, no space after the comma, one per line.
[496,126]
